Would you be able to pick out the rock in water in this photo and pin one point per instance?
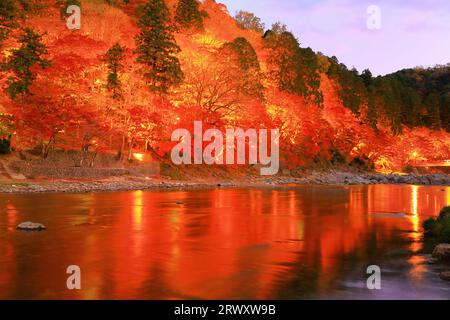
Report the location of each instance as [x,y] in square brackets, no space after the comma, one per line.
[31,226]
[445,275]
[442,252]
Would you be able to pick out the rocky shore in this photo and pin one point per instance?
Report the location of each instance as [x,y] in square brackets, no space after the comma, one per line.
[331,177]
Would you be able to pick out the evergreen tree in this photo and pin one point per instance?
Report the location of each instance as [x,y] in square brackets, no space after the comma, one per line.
[8,15]
[351,87]
[367,77]
[188,15]
[23,60]
[295,69]
[114,59]
[248,63]
[156,47]
[433,105]
[245,52]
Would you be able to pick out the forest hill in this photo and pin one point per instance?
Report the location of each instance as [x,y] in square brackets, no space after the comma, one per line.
[256,141]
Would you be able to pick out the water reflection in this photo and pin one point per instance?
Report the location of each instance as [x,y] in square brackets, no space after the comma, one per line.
[307,242]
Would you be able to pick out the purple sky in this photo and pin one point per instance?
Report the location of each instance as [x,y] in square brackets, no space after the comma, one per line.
[413,32]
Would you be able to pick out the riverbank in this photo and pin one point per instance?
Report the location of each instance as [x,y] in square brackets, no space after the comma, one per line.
[128,183]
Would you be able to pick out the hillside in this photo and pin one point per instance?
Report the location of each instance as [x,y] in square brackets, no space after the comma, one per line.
[229,75]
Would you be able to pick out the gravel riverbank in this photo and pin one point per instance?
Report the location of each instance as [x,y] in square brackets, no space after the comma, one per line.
[331,177]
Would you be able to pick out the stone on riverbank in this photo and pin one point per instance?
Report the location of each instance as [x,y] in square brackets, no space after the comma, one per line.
[445,275]
[31,226]
[442,252]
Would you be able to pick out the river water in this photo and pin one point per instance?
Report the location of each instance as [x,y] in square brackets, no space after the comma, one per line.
[284,243]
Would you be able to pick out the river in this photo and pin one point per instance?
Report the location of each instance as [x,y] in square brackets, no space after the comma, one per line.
[282,243]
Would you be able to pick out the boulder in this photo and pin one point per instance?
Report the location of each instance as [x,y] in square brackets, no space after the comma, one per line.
[31,226]
[445,275]
[445,213]
[442,252]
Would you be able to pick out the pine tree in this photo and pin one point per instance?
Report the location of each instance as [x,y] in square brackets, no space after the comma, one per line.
[23,60]
[433,105]
[8,15]
[188,15]
[156,47]
[114,59]
[248,63]
[246,53]
[295,69]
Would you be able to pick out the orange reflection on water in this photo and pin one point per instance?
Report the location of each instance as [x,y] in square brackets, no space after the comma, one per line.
[215,244]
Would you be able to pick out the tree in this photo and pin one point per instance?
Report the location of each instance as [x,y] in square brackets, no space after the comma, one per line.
[188,15]
[8,15]
[6,131]
[23,60]
[433,106]
[247,20]
[156,48]
[294,69]
[246,58]
[114,58]
[367,77]
[215,86]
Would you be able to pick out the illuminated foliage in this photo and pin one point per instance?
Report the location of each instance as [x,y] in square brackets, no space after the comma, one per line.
[93,96]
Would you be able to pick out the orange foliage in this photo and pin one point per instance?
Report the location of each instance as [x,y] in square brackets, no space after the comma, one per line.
[71,100]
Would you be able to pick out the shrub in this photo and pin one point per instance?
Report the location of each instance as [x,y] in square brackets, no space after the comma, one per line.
[445,213]
[439,229]
[429,224]
[5,146]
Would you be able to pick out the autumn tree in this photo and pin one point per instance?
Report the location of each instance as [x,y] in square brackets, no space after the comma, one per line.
[247,20]
[22,62]
[156,47]
[216,84]
[215,87]
[188,15]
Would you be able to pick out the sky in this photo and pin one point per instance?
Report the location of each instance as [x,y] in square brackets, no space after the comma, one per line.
[393,35]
